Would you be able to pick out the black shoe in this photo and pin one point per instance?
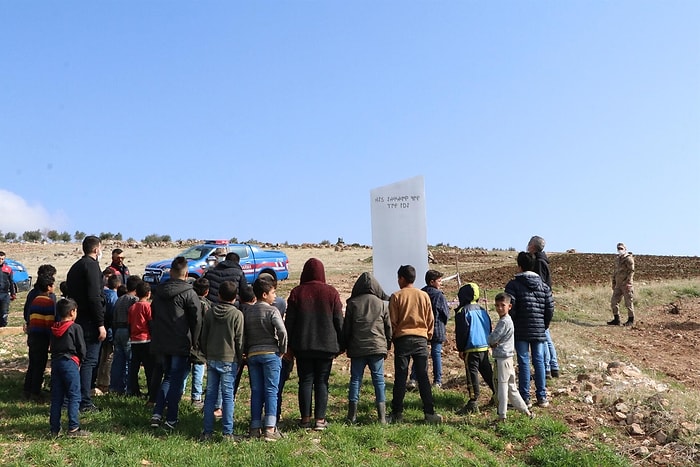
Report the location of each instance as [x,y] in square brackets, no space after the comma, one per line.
[615,321]
[630,322]
[89,408]
[555,373]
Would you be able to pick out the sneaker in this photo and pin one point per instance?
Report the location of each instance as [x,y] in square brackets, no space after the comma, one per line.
[542,403]
[272,435]
[306,425]
[204,437]
[78,433]
[197,404]
[615,321]
[155,421]
[395,418]
[169,426]
[255,433]
[437,385]
[548,375]
[555,373]
[411,384]
[89,408]
[321,425]
[528,403]
[433,418]
[233,438]
[469,407]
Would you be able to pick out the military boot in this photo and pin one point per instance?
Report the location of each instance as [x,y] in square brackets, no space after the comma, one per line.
[630,321]
[615,321]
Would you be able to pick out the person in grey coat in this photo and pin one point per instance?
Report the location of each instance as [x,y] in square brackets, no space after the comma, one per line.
[367,338]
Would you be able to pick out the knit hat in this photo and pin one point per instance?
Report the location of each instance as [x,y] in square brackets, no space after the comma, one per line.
[468,293]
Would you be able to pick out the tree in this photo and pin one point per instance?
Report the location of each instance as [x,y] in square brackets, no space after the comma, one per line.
[32,236]
[106,236]
[64,237]
[10,237]
[118,236]
[79,236]
[53,235]
[2,236]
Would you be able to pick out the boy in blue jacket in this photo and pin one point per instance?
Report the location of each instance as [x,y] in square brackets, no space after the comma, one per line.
[472,327]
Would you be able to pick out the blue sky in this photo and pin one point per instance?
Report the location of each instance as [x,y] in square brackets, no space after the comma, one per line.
[576,120]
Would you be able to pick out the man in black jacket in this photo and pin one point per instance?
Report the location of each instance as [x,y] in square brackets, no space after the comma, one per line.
[84,283]
[532,311]
[175,320]
[227,270]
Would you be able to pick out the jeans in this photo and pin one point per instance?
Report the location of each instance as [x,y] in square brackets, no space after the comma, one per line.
[478,363]
[120,361]
[436,358]
[220,374]
[4,309]
[264,372]
[405,348]
[140,355]
[523,349]
[287,367]
[313,377]
[65,385]
[550,354]
[38,356]
[88,366]
[175,368]
[376,369]
[197,379]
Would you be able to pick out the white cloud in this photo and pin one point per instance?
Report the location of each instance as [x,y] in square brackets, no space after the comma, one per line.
[17,215]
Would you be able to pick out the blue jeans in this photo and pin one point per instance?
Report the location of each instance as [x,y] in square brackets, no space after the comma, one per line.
[550,354]
[120,361]
[376,369]
[264,372]
[65,385]
[197,378]
[4,308]
[175,368]
[89,365]
[436,357]
[220,374]
[523,348]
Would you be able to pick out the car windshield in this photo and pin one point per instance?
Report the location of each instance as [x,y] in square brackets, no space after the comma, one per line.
[196,252]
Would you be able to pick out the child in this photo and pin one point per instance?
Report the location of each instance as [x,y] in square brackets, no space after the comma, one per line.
[67,351]
[245,303]
[104,367]
[201,286]
[472,328]
[502,342]
[265,343]
[366,335]
[119,375]
[40,318]
[140,338]
[222,344]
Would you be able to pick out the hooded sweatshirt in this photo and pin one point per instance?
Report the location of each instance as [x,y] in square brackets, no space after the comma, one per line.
[222,333]
[472,323]
[314,317]
[67,341]
[533,306]
[367,327]
[175,318]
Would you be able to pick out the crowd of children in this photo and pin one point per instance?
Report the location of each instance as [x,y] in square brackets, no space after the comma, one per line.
[179,332]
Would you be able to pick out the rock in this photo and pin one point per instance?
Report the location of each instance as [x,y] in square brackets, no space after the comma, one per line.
[622,407]
[588,399]
[590,387]
[583,377]
[661,437]
[620,416]
[635,418]
[635,430]
[642,451]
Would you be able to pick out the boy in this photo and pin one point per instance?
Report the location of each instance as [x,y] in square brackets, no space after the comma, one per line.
[40,318]
[502,342]
[67,352]
[104,367]
[265,343]
[222,344]
[412,323]
[201,287]
[472,328]
[367,338]
[119,375]
[140,339]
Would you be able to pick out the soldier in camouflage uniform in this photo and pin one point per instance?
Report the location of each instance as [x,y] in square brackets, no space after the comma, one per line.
[622,285]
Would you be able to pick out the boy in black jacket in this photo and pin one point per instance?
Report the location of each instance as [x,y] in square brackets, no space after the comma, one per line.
[67,352]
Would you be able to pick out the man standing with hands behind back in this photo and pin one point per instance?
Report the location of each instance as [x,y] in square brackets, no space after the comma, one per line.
[622,285]
[84,283]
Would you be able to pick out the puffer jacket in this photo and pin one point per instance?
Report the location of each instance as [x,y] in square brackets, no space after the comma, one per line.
[533,306]
[224,271]
[176,318]
[367,327]
[441,313]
